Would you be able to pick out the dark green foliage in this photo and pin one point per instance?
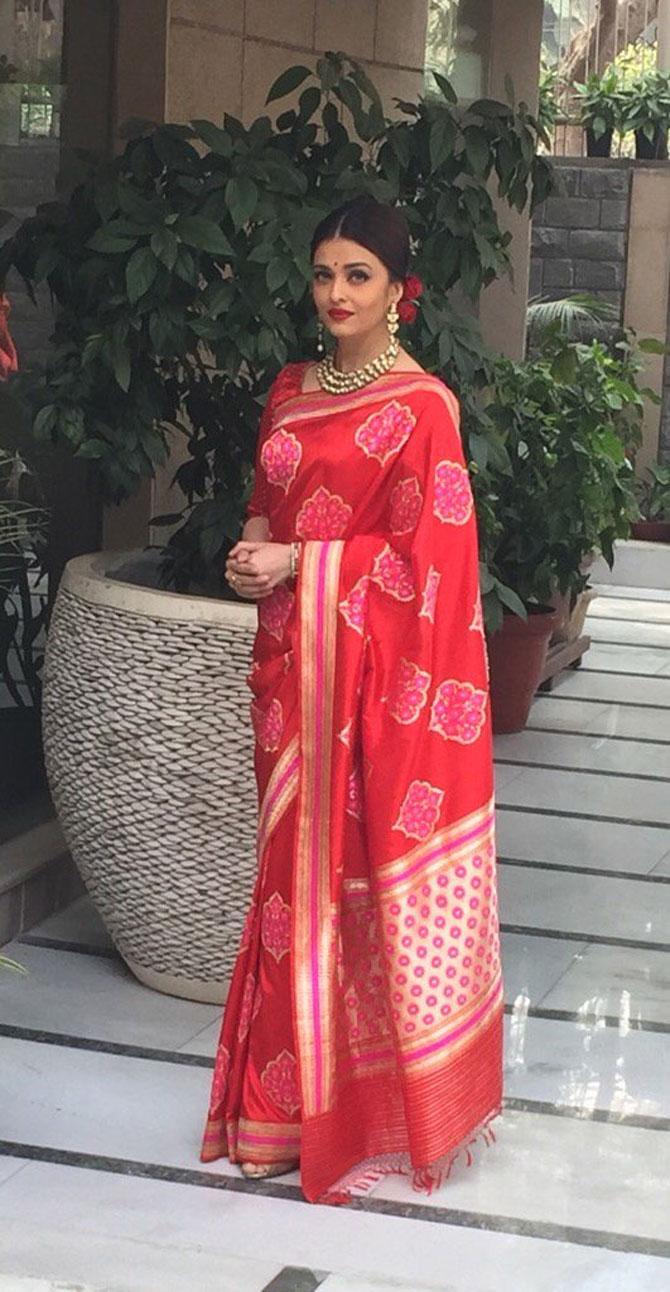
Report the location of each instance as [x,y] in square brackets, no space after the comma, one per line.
[180,276]
[570,422]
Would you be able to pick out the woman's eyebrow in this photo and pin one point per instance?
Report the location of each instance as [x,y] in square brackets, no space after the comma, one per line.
[355,264]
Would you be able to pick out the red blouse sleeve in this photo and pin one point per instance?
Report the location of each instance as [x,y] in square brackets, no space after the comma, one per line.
[286,384]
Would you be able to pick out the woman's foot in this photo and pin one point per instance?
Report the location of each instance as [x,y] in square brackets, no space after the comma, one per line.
[263,1171]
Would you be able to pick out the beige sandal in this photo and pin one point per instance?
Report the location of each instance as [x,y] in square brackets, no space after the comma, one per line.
[260,1171]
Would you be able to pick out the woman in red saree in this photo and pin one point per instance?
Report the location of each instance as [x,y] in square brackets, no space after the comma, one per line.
[362,1033]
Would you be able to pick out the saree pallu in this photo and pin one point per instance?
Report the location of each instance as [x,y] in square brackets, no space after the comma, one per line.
[363,1029]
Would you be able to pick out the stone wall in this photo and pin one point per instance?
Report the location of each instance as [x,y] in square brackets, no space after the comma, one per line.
[580,238]
[223,55]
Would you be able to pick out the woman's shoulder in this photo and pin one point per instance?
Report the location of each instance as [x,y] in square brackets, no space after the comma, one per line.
[288,382]
[431,392]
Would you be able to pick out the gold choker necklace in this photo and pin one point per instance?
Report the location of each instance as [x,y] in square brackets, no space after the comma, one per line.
[339,383]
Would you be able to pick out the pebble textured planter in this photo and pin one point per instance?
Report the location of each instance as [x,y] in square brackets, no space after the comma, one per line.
[149,752]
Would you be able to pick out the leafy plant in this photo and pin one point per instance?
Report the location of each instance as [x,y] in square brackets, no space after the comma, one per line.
[549,108]
[180,273]
[653,494]
[600,100]
[569,421]
[579,317]
[646,104]
[23,535]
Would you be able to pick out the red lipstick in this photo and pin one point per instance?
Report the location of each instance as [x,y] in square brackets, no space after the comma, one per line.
[340,314]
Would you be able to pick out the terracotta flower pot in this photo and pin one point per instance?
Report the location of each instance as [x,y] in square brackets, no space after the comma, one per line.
[651,531]
[516,657]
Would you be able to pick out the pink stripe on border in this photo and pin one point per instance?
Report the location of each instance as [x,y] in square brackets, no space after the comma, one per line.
[290,770]
[451,1036]
[278,1140]
[437,852]
[314,878]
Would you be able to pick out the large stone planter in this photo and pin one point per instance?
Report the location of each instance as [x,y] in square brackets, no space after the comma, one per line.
[149,753]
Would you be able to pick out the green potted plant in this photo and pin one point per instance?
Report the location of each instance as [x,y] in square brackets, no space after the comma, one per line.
[23,604]
[600,107]
[10,103]
[653,495]
[567,421]
[646,112]
[181,276]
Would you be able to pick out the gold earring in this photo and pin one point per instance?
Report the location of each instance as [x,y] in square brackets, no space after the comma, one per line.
[320,347]
[392,319]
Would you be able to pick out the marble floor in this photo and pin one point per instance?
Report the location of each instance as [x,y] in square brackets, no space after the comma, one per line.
[103,1084]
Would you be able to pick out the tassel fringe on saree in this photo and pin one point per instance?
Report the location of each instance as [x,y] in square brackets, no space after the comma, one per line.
[363,1028]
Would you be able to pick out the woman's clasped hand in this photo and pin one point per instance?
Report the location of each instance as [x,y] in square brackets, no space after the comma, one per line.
[255,569]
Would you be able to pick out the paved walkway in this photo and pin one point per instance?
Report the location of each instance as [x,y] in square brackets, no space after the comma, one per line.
[103,1084]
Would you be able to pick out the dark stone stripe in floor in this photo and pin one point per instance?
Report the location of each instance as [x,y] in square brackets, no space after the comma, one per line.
[446,1216]
[295,1279]
[579,771]
[600,735]
[600,873]
[581,816]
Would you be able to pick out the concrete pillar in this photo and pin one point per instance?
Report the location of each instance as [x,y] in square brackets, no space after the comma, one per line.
[646,300]
[514,44]
[663,29]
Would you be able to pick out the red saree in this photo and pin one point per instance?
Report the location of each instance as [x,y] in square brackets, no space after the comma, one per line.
[363,1028]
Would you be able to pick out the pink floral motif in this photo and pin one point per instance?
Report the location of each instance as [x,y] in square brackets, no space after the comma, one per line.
[453,495]
[268,725]
[385,432]
[354,606]
[276,927]
[405,506]
[458,712]
[477,625]
[420,811]
[354,803]
[280,458]
[323,515]
[220,1078]
[274,611]
[280,1082]
[409,692]
[430,590]
[247,1011]
[393,572]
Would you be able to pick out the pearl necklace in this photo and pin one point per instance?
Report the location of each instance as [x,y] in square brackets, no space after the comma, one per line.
[340,383]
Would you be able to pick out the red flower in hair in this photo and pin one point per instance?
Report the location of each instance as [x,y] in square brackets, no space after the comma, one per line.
[411,289]
[406,311]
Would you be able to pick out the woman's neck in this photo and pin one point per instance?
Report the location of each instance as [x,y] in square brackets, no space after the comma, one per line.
[354,352]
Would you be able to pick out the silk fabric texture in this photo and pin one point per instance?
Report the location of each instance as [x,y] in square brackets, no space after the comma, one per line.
[363,1028]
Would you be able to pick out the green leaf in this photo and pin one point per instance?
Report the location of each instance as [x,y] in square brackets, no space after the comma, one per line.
[278,272]
[218,141]
[121,362]
[165,246]
[241,199]
[651,345]
[141,271]
[287,82]
[477,150]
[109,244]
[446,88]
[510,599]
[198,231]
[442,137]
[309,102]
